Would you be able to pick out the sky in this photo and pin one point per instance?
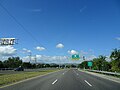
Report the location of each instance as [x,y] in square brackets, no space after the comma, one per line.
[53,30]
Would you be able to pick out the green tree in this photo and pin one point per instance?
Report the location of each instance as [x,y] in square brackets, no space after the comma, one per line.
[1,64]
[12,62]
[115,60]
[27,65]
[47,65]
[100,63]
[83,65]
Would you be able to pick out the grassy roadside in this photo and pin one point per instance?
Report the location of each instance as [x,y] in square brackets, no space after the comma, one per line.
[11,78]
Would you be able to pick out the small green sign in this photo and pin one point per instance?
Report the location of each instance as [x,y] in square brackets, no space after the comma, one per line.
[90,63]
[75,57]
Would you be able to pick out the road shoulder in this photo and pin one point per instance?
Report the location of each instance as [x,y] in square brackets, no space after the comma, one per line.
[111,78]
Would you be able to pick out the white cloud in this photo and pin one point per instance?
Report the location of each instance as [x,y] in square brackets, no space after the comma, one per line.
[26,50]
[91,51]
[50,59]
[7,51]
[36,10]
[26,59]
[38,56]
[83,52]
[91,57]
[40,48]
[108,58]
[59,45]
[72,52]
[118,38]
[82,9]
[46,59]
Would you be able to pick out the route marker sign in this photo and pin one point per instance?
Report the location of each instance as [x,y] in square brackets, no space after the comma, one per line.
[75,57]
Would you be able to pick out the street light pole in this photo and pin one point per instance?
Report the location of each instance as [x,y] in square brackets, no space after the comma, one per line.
[59,62]
[84,60]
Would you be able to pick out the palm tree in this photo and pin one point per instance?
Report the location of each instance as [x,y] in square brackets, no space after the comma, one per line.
[115,57]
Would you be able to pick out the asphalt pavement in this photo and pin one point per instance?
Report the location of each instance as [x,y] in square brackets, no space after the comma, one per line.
[68,79]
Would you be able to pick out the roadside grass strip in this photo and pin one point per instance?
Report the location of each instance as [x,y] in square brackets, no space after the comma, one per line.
[12,78]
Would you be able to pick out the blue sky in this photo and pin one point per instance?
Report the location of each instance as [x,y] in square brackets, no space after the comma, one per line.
[86,26]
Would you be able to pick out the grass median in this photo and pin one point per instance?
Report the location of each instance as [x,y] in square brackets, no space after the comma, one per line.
[11,78]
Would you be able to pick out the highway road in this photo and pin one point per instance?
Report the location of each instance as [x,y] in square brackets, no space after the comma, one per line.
[68,79]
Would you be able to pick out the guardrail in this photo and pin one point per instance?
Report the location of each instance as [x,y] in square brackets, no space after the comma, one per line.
[105,72]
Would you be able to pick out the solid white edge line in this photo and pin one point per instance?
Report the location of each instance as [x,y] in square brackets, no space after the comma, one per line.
[55,81]
[88,83]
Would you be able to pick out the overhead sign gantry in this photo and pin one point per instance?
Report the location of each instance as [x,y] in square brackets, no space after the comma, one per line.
[75,57]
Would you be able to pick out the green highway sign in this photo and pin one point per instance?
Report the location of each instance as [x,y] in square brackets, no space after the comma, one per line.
[75,57]
[90,63]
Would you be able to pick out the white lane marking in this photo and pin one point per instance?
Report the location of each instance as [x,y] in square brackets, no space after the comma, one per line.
[75,72]
[55,81]
[64,72]
[88,83]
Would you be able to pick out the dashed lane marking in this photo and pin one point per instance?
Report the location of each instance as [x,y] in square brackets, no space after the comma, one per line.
[54,81]
[88,83]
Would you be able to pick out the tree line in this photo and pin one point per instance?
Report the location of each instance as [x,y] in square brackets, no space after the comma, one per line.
[100,62]
[14,62]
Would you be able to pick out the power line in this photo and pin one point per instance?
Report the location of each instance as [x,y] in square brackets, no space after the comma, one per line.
[22,26]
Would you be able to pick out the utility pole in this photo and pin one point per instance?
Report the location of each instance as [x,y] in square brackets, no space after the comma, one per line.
[30,54]
[35,59]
